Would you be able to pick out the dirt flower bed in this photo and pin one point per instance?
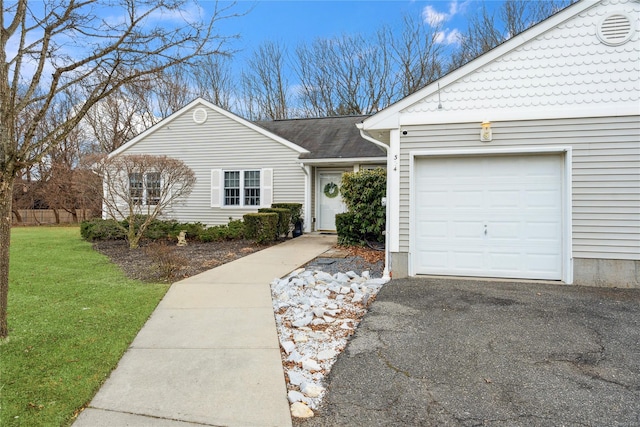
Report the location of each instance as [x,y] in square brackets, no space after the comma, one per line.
[192,259]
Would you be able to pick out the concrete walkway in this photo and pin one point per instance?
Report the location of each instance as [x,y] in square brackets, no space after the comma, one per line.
[209,354]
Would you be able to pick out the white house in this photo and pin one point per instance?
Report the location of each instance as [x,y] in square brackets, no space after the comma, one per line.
[524,163]
[241,166]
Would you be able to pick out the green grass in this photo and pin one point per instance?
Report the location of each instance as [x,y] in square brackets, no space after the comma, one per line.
[72,314]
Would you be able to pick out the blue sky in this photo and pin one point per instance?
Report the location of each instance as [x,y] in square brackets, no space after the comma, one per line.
[291,22]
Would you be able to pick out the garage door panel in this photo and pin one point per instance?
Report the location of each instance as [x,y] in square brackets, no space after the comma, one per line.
[489,216]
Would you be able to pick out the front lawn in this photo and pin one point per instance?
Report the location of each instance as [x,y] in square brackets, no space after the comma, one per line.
[72,314]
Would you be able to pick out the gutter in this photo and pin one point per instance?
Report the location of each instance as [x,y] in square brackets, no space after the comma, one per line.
[386,273]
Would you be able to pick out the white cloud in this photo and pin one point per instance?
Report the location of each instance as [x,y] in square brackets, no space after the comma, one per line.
[448,36]
[433,17]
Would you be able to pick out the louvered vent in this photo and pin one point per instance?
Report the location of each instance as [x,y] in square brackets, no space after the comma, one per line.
[615,29]
[200,116]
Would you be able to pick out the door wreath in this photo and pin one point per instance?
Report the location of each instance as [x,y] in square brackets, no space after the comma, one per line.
[331,190]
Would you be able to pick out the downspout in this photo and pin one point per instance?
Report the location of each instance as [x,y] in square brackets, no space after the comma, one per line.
[385,147]
[307,196]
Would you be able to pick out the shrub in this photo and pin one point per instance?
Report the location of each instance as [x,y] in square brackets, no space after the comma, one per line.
[166,259]
[261,227]
[232,231]
[284,219]
[296,211]
[102,229]
[362,192]
[347,233]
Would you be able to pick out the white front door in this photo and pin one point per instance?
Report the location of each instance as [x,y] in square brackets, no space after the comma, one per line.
[495,216]
[329,200]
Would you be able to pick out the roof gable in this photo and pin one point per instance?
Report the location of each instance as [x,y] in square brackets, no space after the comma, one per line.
[556,68]
[201,102]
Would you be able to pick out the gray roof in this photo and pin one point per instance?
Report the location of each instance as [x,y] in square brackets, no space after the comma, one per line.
[325,138]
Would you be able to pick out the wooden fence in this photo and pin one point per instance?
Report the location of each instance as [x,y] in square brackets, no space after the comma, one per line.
[48,216]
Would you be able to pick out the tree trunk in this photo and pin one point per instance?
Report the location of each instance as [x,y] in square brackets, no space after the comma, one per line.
[6,199]
[16,212]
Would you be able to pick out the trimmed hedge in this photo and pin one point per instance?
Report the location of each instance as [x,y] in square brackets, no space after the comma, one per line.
[284,219]
[296,211]
[261,227]
[232,231]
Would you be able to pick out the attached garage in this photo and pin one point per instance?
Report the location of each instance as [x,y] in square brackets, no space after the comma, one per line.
[493,216]
[525,162]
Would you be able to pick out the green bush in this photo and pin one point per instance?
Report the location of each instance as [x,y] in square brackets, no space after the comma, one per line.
[102,229]
[232,231]
[284,219]
[362,192]
[296,211]
[261,227]
[347,233]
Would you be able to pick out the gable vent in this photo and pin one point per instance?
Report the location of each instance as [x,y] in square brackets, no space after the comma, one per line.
[615,29]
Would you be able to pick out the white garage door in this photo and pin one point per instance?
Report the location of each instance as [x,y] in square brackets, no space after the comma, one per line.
[498,216]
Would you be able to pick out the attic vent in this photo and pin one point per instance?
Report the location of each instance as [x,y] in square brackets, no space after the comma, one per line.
[200,116]
[615,29]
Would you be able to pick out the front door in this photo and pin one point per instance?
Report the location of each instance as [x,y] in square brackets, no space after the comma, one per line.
[329,200]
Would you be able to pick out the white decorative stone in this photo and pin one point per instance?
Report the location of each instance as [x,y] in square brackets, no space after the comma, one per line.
[300,337]
[295,396]
[302,322]
[311,365]
[311,389]
[288,346]
[326,354]
[328,319]
[351,274]
[345,290]
[317,321]
[296,378]
[300,410]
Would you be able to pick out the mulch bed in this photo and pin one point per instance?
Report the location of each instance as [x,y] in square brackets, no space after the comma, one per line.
[196,257]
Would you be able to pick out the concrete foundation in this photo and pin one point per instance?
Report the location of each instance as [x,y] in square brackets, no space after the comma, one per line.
[399,265]
[612,273]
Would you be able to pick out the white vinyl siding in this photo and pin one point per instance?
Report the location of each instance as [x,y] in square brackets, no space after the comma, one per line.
[605,174]
[218,144]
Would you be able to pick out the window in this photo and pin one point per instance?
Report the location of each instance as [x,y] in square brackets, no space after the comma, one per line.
[136,188]
[232,188]
[252,188]
[245,183]
[153,188]
[145,189]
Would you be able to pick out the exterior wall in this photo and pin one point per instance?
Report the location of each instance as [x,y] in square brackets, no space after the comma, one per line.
[605,174]
[607,272]
[222,143]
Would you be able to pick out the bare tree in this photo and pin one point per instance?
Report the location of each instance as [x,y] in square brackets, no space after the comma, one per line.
[346,75]
[417,53]
[214,81]
[114,120]
[140,187]
[51,47]
[265,84]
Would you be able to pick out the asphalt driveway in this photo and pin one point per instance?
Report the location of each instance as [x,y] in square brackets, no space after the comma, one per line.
[435,352]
